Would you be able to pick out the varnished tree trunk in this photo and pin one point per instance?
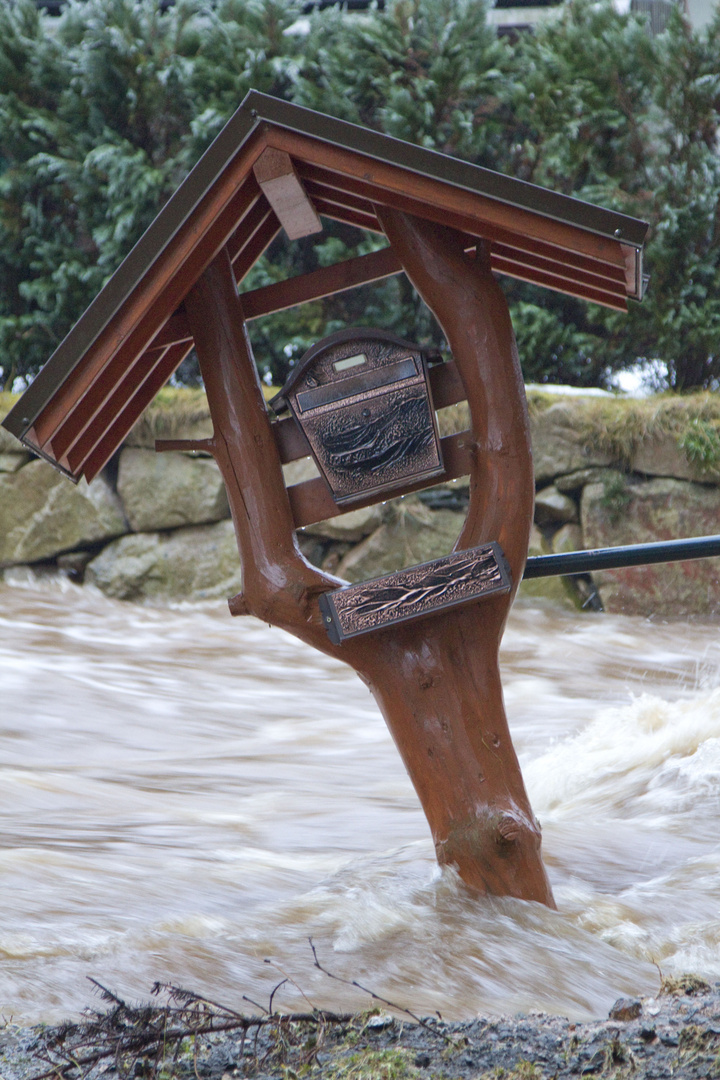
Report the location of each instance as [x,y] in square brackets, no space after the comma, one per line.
[436,680]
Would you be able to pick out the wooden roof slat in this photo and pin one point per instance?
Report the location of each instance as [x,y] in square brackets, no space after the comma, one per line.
[560,280]
[348,217]
[317,179]
[115,311]
[73,408]
[356,191]
[449,199]
[256,245]
[151,308]
[611,279]
[335,195]
[527,253]
[116,393]
[124,365]
[120,428]
[614,300]
[605,286]
[176,329]
[257,214]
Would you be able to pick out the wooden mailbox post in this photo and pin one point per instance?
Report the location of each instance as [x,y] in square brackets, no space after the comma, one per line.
[432,666]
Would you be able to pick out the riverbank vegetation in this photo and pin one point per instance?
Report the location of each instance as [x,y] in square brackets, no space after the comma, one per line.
[618,426]
[184,1036]
[104,109]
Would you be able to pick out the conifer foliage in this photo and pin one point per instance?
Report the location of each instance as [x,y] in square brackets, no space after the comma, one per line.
[104,109]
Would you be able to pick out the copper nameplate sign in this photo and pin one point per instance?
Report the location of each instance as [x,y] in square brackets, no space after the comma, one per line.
[415,592]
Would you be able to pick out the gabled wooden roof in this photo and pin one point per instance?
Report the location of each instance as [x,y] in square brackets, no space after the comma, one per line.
[134,334]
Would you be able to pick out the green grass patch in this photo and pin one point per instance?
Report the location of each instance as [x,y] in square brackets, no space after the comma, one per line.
[390,1064]
[7,400]
[177,412]
[701,443]
[617,426]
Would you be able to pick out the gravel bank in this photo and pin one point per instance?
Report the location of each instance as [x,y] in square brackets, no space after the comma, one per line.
[676,1034]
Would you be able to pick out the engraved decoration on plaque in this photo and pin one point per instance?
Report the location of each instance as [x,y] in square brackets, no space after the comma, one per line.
[417,591]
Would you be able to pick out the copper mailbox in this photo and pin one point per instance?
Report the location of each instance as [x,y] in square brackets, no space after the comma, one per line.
[362,398]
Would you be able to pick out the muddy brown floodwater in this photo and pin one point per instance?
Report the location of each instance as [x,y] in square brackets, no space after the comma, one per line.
[185,796]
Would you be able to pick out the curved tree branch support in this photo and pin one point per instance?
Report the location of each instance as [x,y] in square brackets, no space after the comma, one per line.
[436,679]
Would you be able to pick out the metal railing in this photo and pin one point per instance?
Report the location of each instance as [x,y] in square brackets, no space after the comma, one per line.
[584,562]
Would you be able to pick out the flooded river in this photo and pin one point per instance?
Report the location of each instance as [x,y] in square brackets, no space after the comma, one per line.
[186,796]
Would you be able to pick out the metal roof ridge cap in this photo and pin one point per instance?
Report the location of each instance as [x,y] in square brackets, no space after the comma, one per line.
[456,164]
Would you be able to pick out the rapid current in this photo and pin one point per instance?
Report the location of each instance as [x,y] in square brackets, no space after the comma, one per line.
[188,798]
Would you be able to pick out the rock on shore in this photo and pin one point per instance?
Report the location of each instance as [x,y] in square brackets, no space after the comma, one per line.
[639,512]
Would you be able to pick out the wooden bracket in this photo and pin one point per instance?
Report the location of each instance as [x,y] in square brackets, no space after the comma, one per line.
[195,446]
[283,189]
[238,605]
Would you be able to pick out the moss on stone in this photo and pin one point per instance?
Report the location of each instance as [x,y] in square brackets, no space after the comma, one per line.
[7,400]
[618,425]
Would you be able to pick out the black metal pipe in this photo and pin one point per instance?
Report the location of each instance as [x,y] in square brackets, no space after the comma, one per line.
[583,562]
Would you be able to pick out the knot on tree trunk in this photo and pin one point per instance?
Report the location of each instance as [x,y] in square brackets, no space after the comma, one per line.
[508,830]
[497,852]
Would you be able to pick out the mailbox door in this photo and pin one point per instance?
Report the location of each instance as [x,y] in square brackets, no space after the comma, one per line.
[376,441]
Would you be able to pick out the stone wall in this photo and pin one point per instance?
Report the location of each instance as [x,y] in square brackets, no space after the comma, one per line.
[157,525]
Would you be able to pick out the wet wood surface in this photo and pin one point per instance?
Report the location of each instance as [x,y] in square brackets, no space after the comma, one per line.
[436,679]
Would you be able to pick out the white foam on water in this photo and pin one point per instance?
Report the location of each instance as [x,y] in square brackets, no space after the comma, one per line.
[419,938]
[638,758]
[672,920]
[640,785]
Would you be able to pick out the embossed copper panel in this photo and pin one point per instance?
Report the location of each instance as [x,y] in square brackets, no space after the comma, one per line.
[415,592]
[363,401]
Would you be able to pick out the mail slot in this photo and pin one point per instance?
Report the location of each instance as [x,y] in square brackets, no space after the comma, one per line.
[362,398]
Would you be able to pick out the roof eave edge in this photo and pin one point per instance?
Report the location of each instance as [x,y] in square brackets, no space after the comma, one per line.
[105,306]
